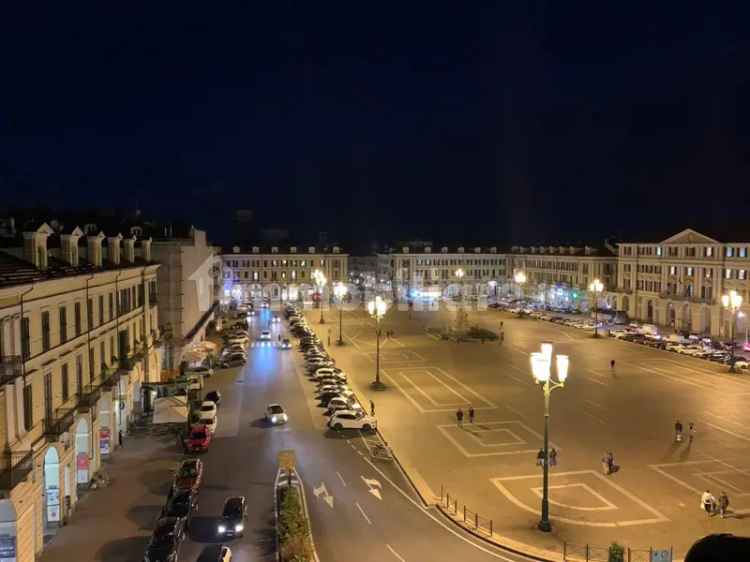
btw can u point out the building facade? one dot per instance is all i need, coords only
(679, 281)
(188, 293)
(78, 337)
(560, 275)
(280, 274)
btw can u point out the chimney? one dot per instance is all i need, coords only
(94, 249)
(146, 249)
(128, 249)
(35, 246)
(69, 246)
(113, 249)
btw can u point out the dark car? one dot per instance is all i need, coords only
(214, 396)
(233, 517)
(234, 360)
(325, 397)
(189, 475)
(165, 542)
(181, 504)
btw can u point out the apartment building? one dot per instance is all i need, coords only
(561, 275)
(679, 281)
(427, 272)
(78, 336)
(280, 274)
(188, 290)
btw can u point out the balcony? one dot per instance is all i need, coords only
(62, 421)
(10, 368)
(111, 377)
(17, 468)
(90, 395)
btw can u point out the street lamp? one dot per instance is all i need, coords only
(460, 276)
(520, 278)
(339, 291)
(320, 281)
(541, 364)
(596, 287)
(377, 309)
(732, 302)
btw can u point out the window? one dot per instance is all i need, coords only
(111, 306)
(64, 377)
(673, 270)
(743, 252)
(25, 339)
(729, 252)
(103, 356)
(727, 273)
(79, 374)
(90, 314)
(77, 318)
(45, 331)
(101, 309)
(658, 250)
(112, 350)
(708, 251)
(28, 408)
(92, 365)
(689, 271)
(741, 274)
(63, 325)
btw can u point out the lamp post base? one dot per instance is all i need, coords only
(339, 342)
(595, 335)
(544, 526)
(377, 385)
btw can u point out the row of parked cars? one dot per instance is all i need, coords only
(691, 345)
(236, 339)
(176, 516)
(331, 389)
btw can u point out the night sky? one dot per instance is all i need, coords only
(514, 122)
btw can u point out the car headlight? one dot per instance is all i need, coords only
(273, 419)
(222, 529)
(238, 528)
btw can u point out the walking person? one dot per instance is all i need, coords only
(605, 464)
(540, 458)
(460, 417)
(372, 408)
(691, 432)
(610, 462)
(553, 457)
(471, 414)
(119, 437)
(612, 366)
(708, 502)
(723, 504)
(678, 431)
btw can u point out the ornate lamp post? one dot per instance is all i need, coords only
(320, 281)
(596, 287)
(377, 309)
(541, 367)
(520, 278)
(459, 273)
(339, 291)
(732, 302)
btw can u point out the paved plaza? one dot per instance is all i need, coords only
(652, 500)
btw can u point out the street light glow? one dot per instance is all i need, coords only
(596, 286)
(540, 367)
(547, 350)
(377, 308)
(519, 277)
(460, 273)
(563, 362)
(340, 290)
(732, 301)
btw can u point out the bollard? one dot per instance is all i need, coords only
(587, 552)
(455, 507)
(565, 551)
(447, 500)
(491, 533)
(476, 520)
(464, 514)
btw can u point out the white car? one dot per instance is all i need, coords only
(275, 414)
(285, 344)
(340, 403)
(618, 333)
(210, 422)
(741, 364)
(240, 340)
(265, 335)
(208, 409)
(275, 319)
(349, 419)
(342, 390)
(328, 372)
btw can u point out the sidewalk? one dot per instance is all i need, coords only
(113, 524)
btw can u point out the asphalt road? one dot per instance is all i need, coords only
(371, 514)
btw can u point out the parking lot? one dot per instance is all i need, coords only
(651, 500)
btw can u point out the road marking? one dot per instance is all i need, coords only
(730, 432)
(362, 511)
(341, 478)
(321, 490)
(373, 486)
(396, 554)
(595, 404)
(601, 421)
(597, 381)
(607, 505)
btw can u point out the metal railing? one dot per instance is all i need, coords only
(18, 467)
(90, 395)
(460, 512)
(60, 423)
(596, 553)
(10, 368)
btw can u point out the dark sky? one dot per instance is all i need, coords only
(517, 121)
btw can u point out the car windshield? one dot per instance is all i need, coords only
(164, 534)
(207, 408)
(199, 435)
(233, 509)
(209, 421)
(188, 471)
(276, 409)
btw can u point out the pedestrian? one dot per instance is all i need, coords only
(279, 337)
(553, 457)
(372, 408)
(540, 458)
(691, 431)
(459, 417)
(723, 503)
(612, 365)
(471, 413)
(610, 462)
(502, 337)
(708, 502)
(678, 431)
(605, 465)
(119, 436)
(501, 326)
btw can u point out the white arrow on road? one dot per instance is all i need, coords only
(323, 491)
(373, 486)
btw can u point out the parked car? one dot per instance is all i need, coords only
(165, 542)
(285, 344)
(350, 419)
(338, 403)
(210, 423)
(214, 396)
(234, 360)
(181, 504)
(207, 409)
(265, 335)
(339, 389)
(275, 414)
(189, 475)
(232, 521)
(203, 370)
(199, 438)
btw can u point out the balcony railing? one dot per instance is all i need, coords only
(62, 421)
(10, 368)
(89, 397)
(112, 378)
(17, 468)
